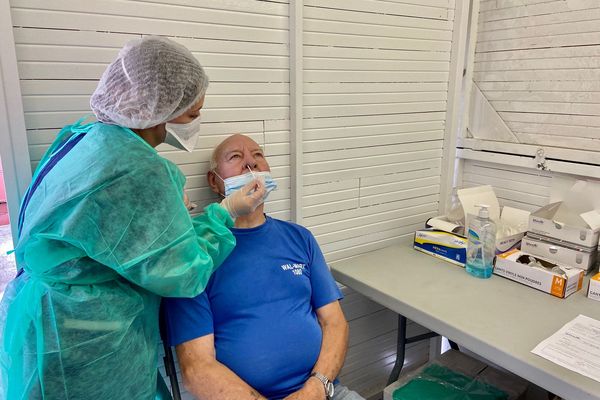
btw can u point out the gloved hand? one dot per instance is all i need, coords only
(244, 201)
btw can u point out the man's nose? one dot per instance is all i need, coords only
(250, 162)
(251, 165)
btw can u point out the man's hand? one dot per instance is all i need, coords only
(208, 379)
(313, 389)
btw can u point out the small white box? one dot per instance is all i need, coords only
(585, 233)
(594, 287)
(513, 265)
(562, 252)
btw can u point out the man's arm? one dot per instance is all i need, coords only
(208, 379)
(333, 351)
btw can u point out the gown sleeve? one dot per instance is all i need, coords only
(137, 224)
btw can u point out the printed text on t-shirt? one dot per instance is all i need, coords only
(295, 268)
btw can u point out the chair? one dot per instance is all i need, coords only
(168, 359)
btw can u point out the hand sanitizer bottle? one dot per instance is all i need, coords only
(481, 245)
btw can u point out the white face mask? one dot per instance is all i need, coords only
(237, 182)
(183, 136)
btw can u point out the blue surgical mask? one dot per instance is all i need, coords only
(237, 182)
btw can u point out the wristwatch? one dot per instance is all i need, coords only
(329, 389)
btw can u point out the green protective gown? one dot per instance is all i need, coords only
(104, 236)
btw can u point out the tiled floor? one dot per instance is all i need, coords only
(8, 268)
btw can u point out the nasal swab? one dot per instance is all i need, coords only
(249, 169)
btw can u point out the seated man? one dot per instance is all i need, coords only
(269, 324)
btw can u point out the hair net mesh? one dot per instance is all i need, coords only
(152, 81)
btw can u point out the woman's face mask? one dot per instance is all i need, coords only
(183, 136)
(237, 182)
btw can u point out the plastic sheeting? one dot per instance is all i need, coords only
(440, 383)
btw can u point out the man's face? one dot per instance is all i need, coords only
(237, 155)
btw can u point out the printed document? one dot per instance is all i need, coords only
(575, 346)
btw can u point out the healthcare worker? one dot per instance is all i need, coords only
(104, 232)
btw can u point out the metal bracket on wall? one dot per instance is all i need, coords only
(540, 158)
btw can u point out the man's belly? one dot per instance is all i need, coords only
(276, 356)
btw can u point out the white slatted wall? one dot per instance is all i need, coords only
(375, 92)
(64, 46)
(537, 63)
(518, 187)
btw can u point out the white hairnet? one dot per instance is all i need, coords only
(152, 81)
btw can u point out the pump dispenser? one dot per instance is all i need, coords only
(481, 245)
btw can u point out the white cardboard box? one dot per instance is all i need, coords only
(573, 214)
(586, 233)
(594, 287)
(574, 256)
(508, 266)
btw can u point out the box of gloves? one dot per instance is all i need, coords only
(567, 230)
(444, 236)
(594, 287)
(554, 278)
(562, 252)
(573, 215)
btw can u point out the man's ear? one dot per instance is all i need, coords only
(211, 178)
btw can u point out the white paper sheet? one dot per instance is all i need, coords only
(576, 346)
(443, 225)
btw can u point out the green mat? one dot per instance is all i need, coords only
(441, 383)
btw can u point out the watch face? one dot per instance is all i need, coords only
(330, 389)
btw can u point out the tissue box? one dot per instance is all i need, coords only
(586, 233)
(510, 265)
(444, 245)
(594, 287)
(562, 252)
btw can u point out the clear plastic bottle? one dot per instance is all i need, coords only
(481, 245)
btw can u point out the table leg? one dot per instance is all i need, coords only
(400, 350)
(401, 347)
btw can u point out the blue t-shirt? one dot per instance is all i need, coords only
(260, 305)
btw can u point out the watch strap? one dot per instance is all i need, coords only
(327, 385)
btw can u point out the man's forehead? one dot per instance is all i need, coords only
(238, 143)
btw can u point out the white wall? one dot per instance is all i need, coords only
(536, 61)
(518, 187)
(375, 95)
